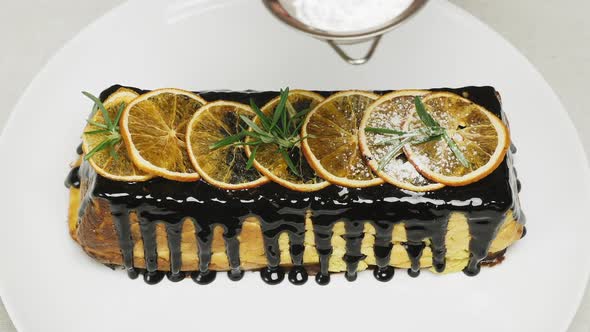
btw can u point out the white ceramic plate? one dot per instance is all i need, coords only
(49, 284)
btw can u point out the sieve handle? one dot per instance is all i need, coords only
(355, 61)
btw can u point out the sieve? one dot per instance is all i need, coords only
(279, 8)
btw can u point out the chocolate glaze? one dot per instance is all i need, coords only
(79, 149)
(354, 236)
(204, 240)
(73, 178)
(173, 233)
(280, 210)
(120, 216)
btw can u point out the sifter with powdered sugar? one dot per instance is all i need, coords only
(341, 22)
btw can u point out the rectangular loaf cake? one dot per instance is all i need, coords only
(163, 227)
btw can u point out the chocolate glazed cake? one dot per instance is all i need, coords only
(178, 229)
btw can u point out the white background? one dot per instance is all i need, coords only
(554, 35)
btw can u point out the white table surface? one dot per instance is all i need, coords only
(554, 35)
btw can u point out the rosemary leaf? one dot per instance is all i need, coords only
(297, 119)
(253, 126)
(105, 114)
(280, 108)
(251, 159)
(253, 143)
(302, 138)
(385, 131)
(227, 141)
(423, 113)
(94, 110)
(426, 139)
(415, 133)
(119, 113)
(112, 151)
(287, 144)
(267, 140)
(252, 134)
(100, 125)
(302, 113)
(102, 145)
(393, 153)
(276, 116)
(263, 118)
(389, 141)
(94, 132)
(292, 117)
(290, 109)
(453, 146)
(289, 162)
(298, 126)
(284, 117)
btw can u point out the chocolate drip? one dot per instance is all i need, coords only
(414, 250)
(232, 249)
(79, 149)
(73, 178)
(323, 244)
(354, 236)
(298, 274)
(203, 278)
(431, 226)
(271, 249)
(382, 249)
(279, 216)
(483, 229)
(180, 276)
(272, 274)
(280, 210)
(174, 235)
(438, 247)
(152, 278)
(513, 148)
(120, 216)
(204, 236)
(148, 236)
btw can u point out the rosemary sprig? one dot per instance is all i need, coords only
(431, 123)
(385, 131)
(423, 113)
(282, 129)
(431, 131)
(110, 127)
(393, 152)
(418, 134)
(453, 146)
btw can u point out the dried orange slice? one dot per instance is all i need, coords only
(267, 157)
(480, 137)
(153, 127)
(383, 151)
(111, 162)
(224, 167)
(331, 146)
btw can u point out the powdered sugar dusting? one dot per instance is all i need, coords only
(392, 115)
